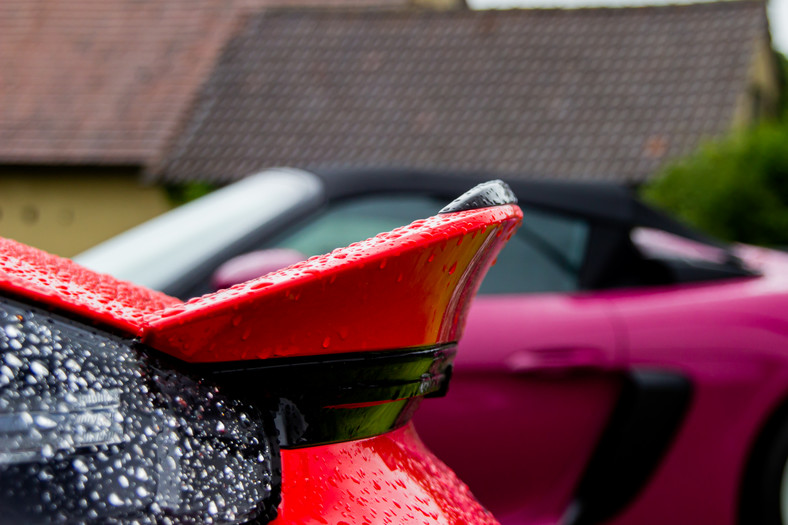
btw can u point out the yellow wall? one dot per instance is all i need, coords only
(66, 210)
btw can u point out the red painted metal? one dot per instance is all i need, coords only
(405, 288)
(63, 285)
(391, 478)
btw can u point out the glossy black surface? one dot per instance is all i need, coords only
(93, 430)
(490, 193)
(338, 397)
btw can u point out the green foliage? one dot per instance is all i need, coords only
(734, 189)
(186, 192)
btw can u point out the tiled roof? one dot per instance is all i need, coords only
(107, 81)
(587, 93)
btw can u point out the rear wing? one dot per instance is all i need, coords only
(407, 288)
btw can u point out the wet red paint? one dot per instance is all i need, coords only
(387, 479)
(352, 299)
(406, 288)
(64, 285)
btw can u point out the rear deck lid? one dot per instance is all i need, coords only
(407, 288)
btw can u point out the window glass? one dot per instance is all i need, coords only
(658, 244)
(356, 220)
(544, 256)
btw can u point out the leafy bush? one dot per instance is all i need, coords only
(735, 189)
(188, 191)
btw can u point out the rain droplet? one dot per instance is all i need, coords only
(12, 360)
(11, 331)
(72, 365)
(80, 466)
(170, 463)
(44, 422)
(38, 368)
(115, 500)
(172, 311)
(260, 285)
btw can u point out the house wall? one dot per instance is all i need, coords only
(67, 210)
(760, 97)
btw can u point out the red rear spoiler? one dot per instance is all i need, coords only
(407, 288)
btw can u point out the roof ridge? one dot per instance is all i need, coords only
(388, 10)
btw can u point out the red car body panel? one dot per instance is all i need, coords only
(407, 288)
(400, 290)
(373, 295)
(390, 478)
(65, 286)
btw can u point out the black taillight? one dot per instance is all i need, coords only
(92, 429)
(340, 397)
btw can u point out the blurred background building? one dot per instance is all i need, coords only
(91, 94)
(103, 104)
(605, 94)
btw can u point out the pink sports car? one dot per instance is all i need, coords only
(617, 367)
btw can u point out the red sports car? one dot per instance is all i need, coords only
(286, 399)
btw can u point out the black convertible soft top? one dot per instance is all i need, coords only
(603, 202)
(611, 210)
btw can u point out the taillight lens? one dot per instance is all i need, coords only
(93, 430)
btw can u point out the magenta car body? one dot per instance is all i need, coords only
(616, 366)
(541, 377)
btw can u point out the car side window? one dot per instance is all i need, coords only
(544, 256)
(354, 220)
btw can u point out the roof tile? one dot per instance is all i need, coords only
(107, 81)
(602, 93)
